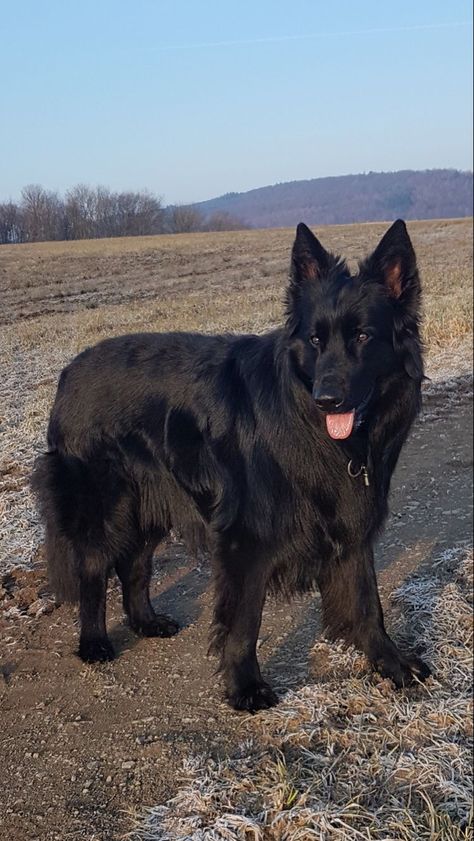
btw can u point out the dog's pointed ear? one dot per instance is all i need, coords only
(309, 260)
(394, 264)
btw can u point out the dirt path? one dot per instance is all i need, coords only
(82, 747)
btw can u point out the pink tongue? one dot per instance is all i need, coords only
(340, 426)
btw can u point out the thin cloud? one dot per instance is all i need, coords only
(275, 39)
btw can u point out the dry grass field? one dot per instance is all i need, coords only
(223, 281)
(87, 748)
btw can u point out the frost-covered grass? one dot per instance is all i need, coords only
(348, 758)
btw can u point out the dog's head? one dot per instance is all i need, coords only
(347, 332)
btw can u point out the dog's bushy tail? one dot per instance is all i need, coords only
(53, 481)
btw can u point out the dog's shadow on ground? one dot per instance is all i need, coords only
(180, 599)
(287, 666)
(290, 665)
(179, 591)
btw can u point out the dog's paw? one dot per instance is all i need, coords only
(402, 669)
(254, 697)
(159, 626)
(96, 650)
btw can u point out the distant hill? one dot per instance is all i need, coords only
(410, 194)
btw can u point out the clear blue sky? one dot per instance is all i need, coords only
(194, 99)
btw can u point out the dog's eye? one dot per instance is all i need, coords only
(363, 338)
(315, 341)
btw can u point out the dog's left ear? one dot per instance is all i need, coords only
(394, 264)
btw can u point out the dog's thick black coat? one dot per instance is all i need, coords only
(225, 439)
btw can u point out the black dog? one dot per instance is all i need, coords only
(275, 451)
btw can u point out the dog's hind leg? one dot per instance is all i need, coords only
(240, 587)
(134, 571)
(94, 644)
(352, 611)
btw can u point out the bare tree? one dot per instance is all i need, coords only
(184, 219)
(223, 221)
(12, 227)
(107, 223)
(80, 212)
(32, 205)
(42, 212)
(142, 213)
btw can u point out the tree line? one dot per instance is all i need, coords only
(92, 212)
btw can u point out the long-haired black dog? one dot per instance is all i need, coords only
(276, 451)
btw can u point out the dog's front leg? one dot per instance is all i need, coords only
(240, 587)
(352, 611)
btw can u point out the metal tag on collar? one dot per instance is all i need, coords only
(362, 471)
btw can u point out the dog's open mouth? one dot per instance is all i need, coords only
(340, 426)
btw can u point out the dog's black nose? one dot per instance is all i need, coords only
(328, 399)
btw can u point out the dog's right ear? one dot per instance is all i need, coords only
(309, 260)
(309, 263)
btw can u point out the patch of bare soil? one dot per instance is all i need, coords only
(83, 748)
